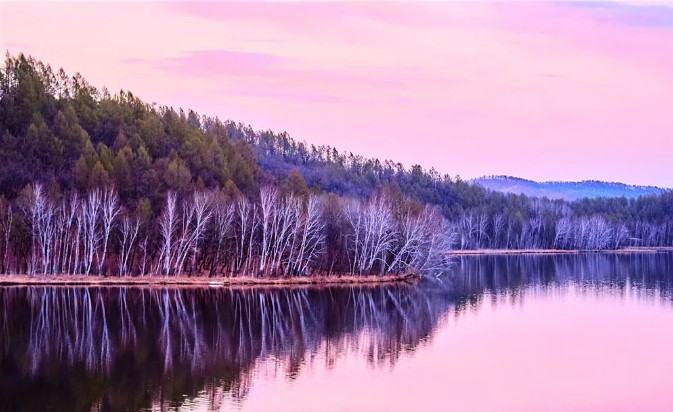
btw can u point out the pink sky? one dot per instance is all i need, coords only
(547, 91)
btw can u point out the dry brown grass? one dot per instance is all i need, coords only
(199, 281)
(625, 250)
(642, 249)
(512, 252)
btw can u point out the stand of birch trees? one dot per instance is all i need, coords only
(552, 225)
(207, 233)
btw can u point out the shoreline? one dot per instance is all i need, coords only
(504, 252)
(281, 282)
(199, 281)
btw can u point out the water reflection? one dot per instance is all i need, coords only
(128, 348)
(133, 349)
(639, 275)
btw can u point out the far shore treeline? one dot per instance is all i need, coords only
(100, 183)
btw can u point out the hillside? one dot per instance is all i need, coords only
(94, 183)
(565, 190)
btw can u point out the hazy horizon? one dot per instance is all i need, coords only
(559, 181)
(544, 91)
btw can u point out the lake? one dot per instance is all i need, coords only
(588, 332)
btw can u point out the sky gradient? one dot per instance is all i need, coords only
(540, 90)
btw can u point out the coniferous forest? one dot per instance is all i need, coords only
(93, 182)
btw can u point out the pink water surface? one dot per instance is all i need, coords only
(564, 349)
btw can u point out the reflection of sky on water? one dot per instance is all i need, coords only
(510, 333)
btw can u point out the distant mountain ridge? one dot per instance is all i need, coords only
(565, 190)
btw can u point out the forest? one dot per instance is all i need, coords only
(98, 183)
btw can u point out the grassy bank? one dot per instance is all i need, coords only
(198, 281)
(478, 252)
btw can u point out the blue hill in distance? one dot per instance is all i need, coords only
(565, 190)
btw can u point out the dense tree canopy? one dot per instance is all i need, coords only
(62, 132)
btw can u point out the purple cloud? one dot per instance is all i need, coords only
(634, 15)
(215, 63)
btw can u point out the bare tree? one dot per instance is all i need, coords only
(432, 257)
(411, 229)
(534, 232)
(129, 233)
(621, 233)
(79, 230)
(267, 210)
(482, 229)
(144, 246)
(110, 211)
(498, 225)
(223, 218)
(90, 212)
(167, 225)
(469, 230)
(285, 219)
(42, 224)
(247, 224)
(70, 239)
(563, 235)
(195, 217)
(6, 235)
(310, 236)
(373, 234)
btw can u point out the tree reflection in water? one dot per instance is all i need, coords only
(127, 348)
(131, 349)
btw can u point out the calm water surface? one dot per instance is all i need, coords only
(517, 333)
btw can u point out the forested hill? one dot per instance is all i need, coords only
(72, 138)
(63, 132)
(565, 190)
